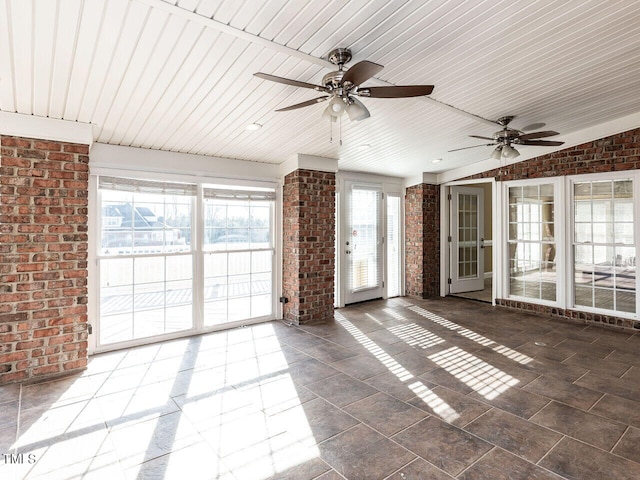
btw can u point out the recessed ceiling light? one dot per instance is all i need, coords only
(364, 146)
(254, 126)
(436, 160)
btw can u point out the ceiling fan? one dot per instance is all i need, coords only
(505, 138)
(343, 86)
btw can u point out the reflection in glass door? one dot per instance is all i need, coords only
(363, 244)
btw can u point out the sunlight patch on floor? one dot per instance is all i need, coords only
(513, 355)
(482, 377)
(476, 337)
(437, 405)
(416, 336)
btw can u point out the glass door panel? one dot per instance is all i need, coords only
(363, 245)
(467, 258)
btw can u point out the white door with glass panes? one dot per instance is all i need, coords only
(362, 242)
(467, 225)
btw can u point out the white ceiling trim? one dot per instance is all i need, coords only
(308, 162)
(428, 178)
(117, 158)
(30, 126)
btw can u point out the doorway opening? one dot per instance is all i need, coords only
(470, 241)
(369, 248)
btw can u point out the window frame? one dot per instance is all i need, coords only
(564, 235)
(197, 226)
(559, 237)
(632, 175)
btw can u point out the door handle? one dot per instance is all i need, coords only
(348, 252)
(482, 243)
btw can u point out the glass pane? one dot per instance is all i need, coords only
(261, 262)
(393, 246)
(364, 239)
(602, 189)
(532, 257)
(605, 275)
(603, 298)
(239, 263)
(179, 267)
(582, 191)
(623, 189)
(238, 215)
(583, 296)
(148, 269)
(623, 211)
(626, 301)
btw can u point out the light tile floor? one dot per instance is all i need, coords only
(399, 389)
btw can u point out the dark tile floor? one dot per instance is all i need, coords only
(399, 389)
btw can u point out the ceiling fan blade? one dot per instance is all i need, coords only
(482, 138)
(474, 146)
(533, 135)
(303, 104)
(398, 91)
(361, 72)
(541, 143)
(288, 81)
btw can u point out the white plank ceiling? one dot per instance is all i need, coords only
(178, 75)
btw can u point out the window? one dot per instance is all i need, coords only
(163, 273)
(145, 259)
(604, 250)
(394, 267)
(531, 242)
(238, 254)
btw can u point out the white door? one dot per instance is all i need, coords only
(467, 227)
(362, 242)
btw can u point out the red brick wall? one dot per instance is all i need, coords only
(43, 258)
(309, 246)
(615, 153)
(422, 240)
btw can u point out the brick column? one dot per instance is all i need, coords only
(309, 226)
(43, 258)
(422, 240)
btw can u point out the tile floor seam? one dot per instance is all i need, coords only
(417, 459)
(562, 437)
(480, 416)
(540, 409)
(494, 447)
(620, 439)
(626, 371)
(596, 403)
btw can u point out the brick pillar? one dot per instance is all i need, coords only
(43, 258)
(309, 225)
(422, 240)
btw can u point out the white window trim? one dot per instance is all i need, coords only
(634, 175)
(560, 236)
(564, 232)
